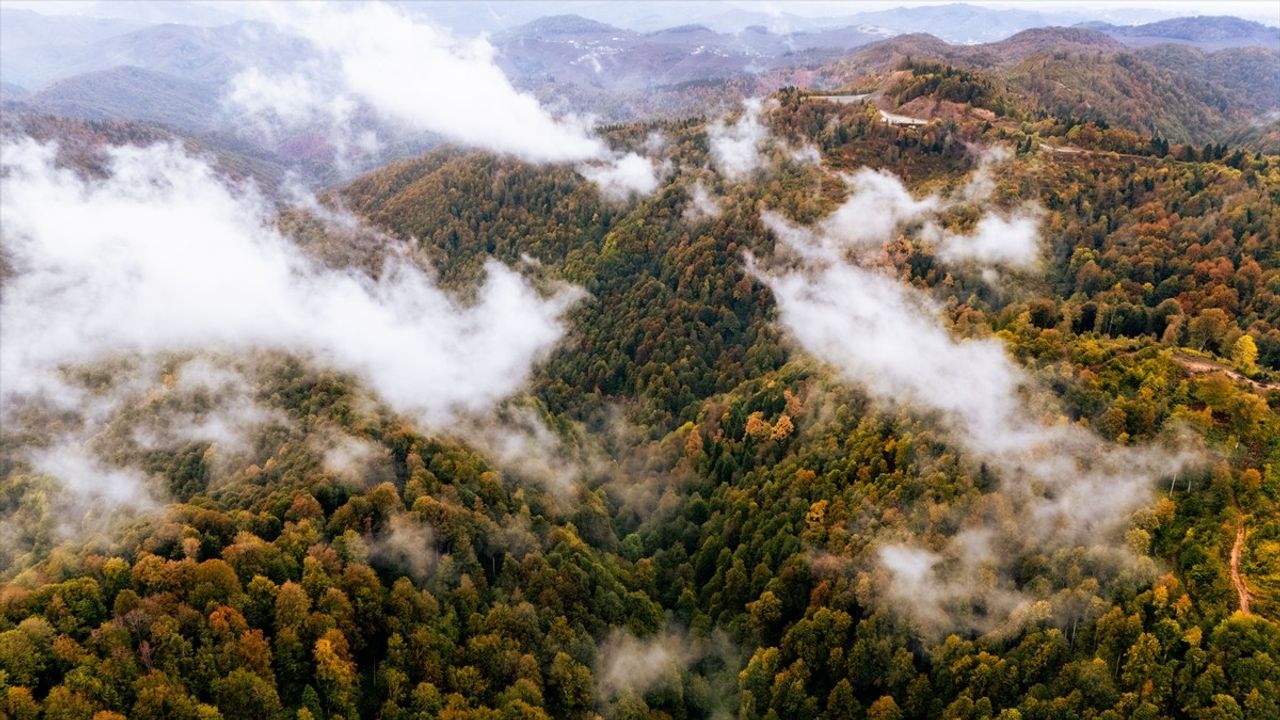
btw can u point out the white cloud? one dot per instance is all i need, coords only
(96, 483)
(627, 665)
(890, 339)
(408, 545)
(379, 71)
(879, 206)
(633, 664)
(1006, 241)
(163, 256)
(702, 204)
(982, 184)
(736, 148)
(425, 78)
(623, 177)
(293, 99)
(1069, 485)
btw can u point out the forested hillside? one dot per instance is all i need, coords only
(1180, 93)
(696, 533)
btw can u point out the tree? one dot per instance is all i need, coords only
(1244, 354)
(242, 694)
(886, 708)
(1209, 328)
(570, 682)
(336, 672)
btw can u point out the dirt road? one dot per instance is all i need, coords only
(1198, 366)
(1241, 589)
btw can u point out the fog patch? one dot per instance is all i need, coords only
(111, 279)
(623, 177)
(408, 545)
(981, 185)
(997, 240)
(354, 461)
(1067, 486)
(520, 440)
(736, 148)
(702, 204)
(162, 256)
(378, 71)
(628, 667)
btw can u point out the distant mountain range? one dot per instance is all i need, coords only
(1177, 91)
(954, 22)
(1187, 79)
(573, 49)
(37, 50)
(1209, 33)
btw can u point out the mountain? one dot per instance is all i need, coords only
(10, 91)
(1181, 93)
(132, 93)
(81, 142)
(959, 23)
(582, 65)
(193, 53)
(566, 25)
(32, 45)
(581, 51)
(943, 381)
(735, 518)
(1205, 32)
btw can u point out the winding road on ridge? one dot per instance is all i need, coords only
(1241, 589)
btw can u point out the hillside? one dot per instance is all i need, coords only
(754, 364)
(133, 93)
(1205, 32)
(731, 493)
(1180, 93)
(563, 57)
(82, 144)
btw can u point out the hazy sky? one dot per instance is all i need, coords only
(1181, 7)
(673, 11)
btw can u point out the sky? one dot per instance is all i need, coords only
(661, 12)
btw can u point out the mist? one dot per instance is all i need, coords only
(418, 77)
(736, 147)
(627, 667)
(1065, 485)
(163, 258)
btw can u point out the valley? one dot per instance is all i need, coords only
(896, 364)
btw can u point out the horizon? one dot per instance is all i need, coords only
(504, 14)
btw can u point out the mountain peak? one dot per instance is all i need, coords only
(566, 25)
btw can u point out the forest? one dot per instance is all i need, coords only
(698, 536)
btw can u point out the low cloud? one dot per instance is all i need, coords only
(628, 663)
(377, 70)
(702, 204)
(996, 241)
(630, 666)
(414, 74)
(623, 177)
(736, 148)
(1068, 486)
(982, 183)
(354, 460)
(98, 448)
(162, 258)
(744, 147)
(408, 545)
(879, 207)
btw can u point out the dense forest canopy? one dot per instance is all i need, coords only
(812, 414)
